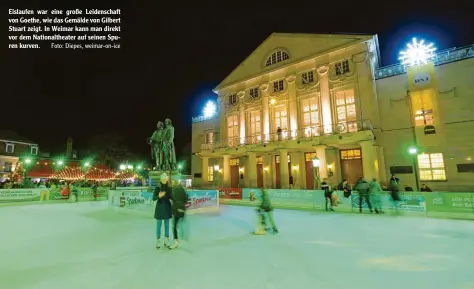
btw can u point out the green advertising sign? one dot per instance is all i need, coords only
(445, 202)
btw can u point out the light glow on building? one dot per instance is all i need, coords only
(209, 109)
(417, 53)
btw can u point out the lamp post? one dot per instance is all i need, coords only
(413, 151)
(216, 175)
(316, 172)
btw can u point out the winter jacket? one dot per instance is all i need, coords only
(362, 187)
(374, 188)
(327, 189)
(394, 184)
(163, 205)
(180, 198)
(266, 204)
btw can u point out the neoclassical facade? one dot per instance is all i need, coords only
(301, 96)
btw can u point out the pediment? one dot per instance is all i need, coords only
(298, 46)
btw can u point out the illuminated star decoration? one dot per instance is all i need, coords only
(417, 53)
(209, 109)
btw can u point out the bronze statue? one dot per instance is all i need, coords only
(156, 142)
(169, 154)
(162, 145)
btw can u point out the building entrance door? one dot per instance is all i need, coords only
(259, 172)
(308, 160)
(351, 165)
(234, 173)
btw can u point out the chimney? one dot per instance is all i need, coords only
(69, 148)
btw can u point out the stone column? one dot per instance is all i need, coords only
(252, 169)
(325, 98)
(266, 112)
(323, 164)
(292, 106)
(381, 167)
(222, 121)
(242, 135)
(368, 159)
(267, 172)
(205, 172)
(226, 171)
(284, 175)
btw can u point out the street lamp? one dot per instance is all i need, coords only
(122, 167)
(413, 151)
(316, 163)
(216, 175)
(180, 166)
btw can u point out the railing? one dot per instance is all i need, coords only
(306, 133)
(443, 57)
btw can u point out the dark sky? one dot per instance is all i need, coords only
(174, 54)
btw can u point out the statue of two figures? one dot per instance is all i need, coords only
(162, 146)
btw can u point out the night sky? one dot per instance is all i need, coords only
(174, 54)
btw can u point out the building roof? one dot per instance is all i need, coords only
(300, 47)
(13, 136)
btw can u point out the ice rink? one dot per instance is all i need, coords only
(86, 245)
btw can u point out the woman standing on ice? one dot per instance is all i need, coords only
(162, 196)
(180, 198)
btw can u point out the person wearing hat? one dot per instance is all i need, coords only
(162, 195)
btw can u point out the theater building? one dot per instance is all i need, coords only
(300, 97)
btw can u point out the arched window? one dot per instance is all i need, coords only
(276, 57)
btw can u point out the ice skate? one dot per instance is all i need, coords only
(275, 231)
(158, 243)
(260, 232)
(175, 245)
(167, 242)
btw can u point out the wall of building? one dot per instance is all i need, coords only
(456, 109)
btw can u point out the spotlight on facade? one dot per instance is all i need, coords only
(209, 109)
(316, 163)
(417, 53)
(412, 150)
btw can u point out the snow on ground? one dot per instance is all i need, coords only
(87, 245)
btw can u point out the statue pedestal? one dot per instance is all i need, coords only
(155, 176)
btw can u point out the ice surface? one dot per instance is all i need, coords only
(87, 245)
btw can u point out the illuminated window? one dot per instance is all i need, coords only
(278, 85)
(350, 154)
(253, 92)
(342, 67)
(307, 77)
(233, 130)
(308, 157)
(255, 127)
(234, 162)
(422, 107)
(232, 98)
(277, 159)
(259, 160)
(346, 111)
(310, 115)
(281, 121)
(8, 167)
(34, 151)
(210, 173)
(431, 167)
(276, 57)
(209, 137)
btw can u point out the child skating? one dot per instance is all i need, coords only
(264, 212)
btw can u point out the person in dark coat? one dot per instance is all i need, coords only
(162, 195)
(394, 187)
(327, 194)
(362, 186)
(180, 198)
(425, 188)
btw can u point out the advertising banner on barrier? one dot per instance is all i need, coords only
(19, 195)
(249, 194)
(287, 198)
(202, 199)
(409, 201)
(445, 202)
(230, 193)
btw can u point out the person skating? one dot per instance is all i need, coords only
(394, 190)
(327, 194)
(162, 196)
(362, 186)
(375, 192)
(180, 198)
(265, 211)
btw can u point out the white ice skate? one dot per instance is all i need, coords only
(175, 244)
(167, 242)
(158, 243)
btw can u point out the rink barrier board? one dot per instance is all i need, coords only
(47, 195)
(459, 205)
(139, 201)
